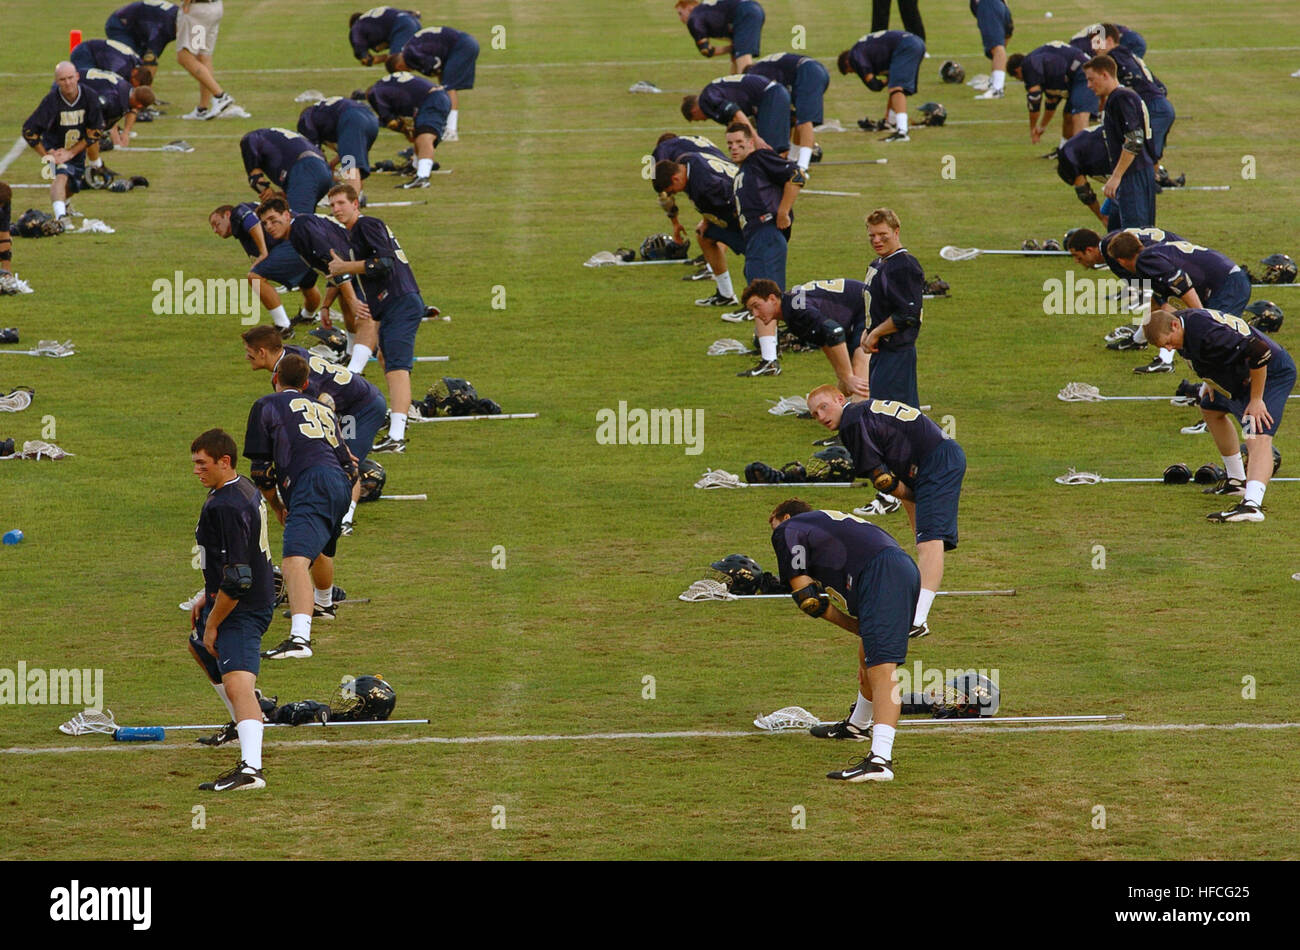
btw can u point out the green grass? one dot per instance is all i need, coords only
(600, 539)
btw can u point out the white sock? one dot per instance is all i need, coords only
(352, 510)
(767, 347)
(279, 317)
(923, 604)
(452, 118)
(250, 742)
(304, 313)
(999, 78)
(804, 157)
(423, 167)
(60, 208)
(861, 716)
(891, 116)
(324, 598)
(1234, 466)
(1061, 144)
(724, 284)
(901, 121)
(1255, 492)
(397, 425)
(1166, 355)
(221, 691)
(882, 740)
(300, 627)
(97, 163)
(360, 357)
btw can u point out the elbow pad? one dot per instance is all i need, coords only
(1135, 141)
(1257, 353)
(32, 137)
(832, 334)
(259, 182)
(812, 600)
(800, 177)
(236, 580)
(884, 480)
(1086, 194)
(263, 474)
(378, 265)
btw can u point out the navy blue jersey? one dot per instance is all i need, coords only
(319, 124)
(242, 221)
(1149, 237)
(313, 236)
(830, 547)
(113, 93)
(372, 29)
(1175, 267)
(1132, 72)
(888, 435)
(1082, 40)
(779, 66)
(427, 50)
(895, 286)
(350, 391)
(711, 20)
(275, 151)
(1051, 69)
(1223, 349)
(871, 54)
(1083, 154)
(721, 99)
(107, 54)
(57, 123)
(399, 96)
(232, 530)
(151, 23)
(710, 184)
(371, 239)
(296, 433)
(1126, 113)
(813, 311)
(672, 149)
(758, 187)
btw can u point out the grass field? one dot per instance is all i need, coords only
(599, 539)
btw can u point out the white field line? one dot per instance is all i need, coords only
(19, 147)
(110, 746)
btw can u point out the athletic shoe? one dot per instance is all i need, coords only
(1242, 511)
(1122, 332)
(1125, 343)
(345, 529)
(844, 729)
(764, 368)
(918, 631)
(829, 440)
(704, 273)
(416, 182)
(451, 135)
(1053, 154)
(286, 333)
(241, 778)
(299, 318)
(880, 505)
(197, 113)
(227, 733)
(816, 155)
(291, 648)
(220, 105)
(1195, 429)
(1157, 365)
(897, 137)
(318, 613)
(717, 300)
(65, 222)
(871, 769)
(1227, 486)
(992, 93)
(737, 316)
(870, 125)
(389, 444)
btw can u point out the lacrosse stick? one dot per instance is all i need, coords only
(309, 95)
(858, 161)
(705, 590)
(832, 194)
(404, 497)
(92, 720)
(724, 346)
(180, 145)
(1169, 191)
(420, 359)
(597, 260)
(38, 450)
(796, 717)
(1275, 285)
(16, 401)
(718, 478)
(504, 415)
(787, 718)
(951, 253)
(1083, 392)
(46, 348)
(1072, 477)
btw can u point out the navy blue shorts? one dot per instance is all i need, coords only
(239, 640)
(891, 374)
(937, 489)
(76, 172)
(1232, 297)
(810, 83)
(309, 180)
(1134, 43)
(1161, 113)
(1081, 98)
(114, 30)
(728, 236)
(765, 250)
(747, 29)
(317, 503)
(1277, 387)
(283, 264)
(404, 27)
(773, 120)
(905, 64)
(888, 588)
(1136, 198)
(994, 19)
(397, 329)
(363, 424)
(458, 70)
(432, 116)
(853, 337)
(357, 131)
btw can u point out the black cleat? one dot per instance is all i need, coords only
(871, 769)
(241, 778)
(1242, 511)
(1226, 486)
(717, 300)
(1157, 365)
(844, 729)
(227, 733)
(291, 648)
(764, 368)
(918, 631)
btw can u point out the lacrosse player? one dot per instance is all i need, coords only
(892, 60)
(1051, 73)
(672, 147)
(996, 27)
(1084, 154)
(894, 288)
(346, 126)
(760, 103)
(295, 445)
(909, 10)
(234, 610)
(381, 28)
(272, 262)
(907, 456)
(359, 405)
(447, 55)
(710, 184)
(64, 126)
(1246, 374)
(742, 20)
(379, 263)
(278, 158)
(806, 80)
(146, 26)
(1088, 39)
(118, 100)
(418, 110)
(1133, 74)
(829, 314)
(1127, 131)
(8, 279)
(821, 551)
(112, 57)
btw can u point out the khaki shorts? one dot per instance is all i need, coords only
(197, 30)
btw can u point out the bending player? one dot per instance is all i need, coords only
(709, 181)
(418, 110)
(447, 55)
(741, 20)
(272, 262)
(280, 158)
(829, 314)
(346, 126)
(889, 60)
(379, 29)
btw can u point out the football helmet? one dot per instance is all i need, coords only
(968, 696)
(741, 574)
(951, 71)
(1267, 316)
(450, 396)
(372, 480)
(1279, 269)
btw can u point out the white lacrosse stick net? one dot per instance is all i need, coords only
(727, 345)
(1079, 392)
(1071, 477)
(717, 478)
(309, 95)
(789, 717)
(830, 125)
(600, 259)
(951, 253)
(16, 401)
(37, 449)
(706, 590)
(91, 720)
(643, 86)
(789, 406)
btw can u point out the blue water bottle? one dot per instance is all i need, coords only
(13, 537)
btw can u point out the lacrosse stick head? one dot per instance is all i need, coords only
(16, 401)
(727, 345)
(36, 449)
(1079, 392)
(718, 478)
(791, 406)
(54, 348)
(1071, 477)
(787, 718)
(90, 720)
(706, 589)
(951, 253)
